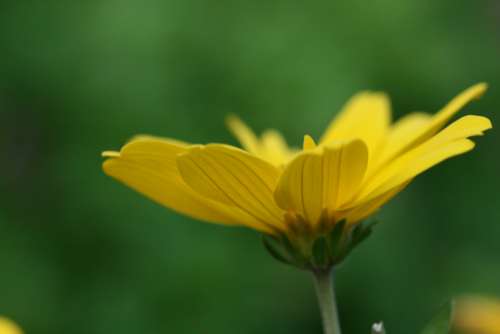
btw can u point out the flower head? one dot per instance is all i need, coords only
(361, 161)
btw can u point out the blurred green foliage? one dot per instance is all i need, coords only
(80, 253)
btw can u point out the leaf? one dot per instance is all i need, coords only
(441, 323)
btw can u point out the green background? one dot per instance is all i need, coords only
(80, 253)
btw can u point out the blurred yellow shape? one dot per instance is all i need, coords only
(477, 315)
(270, 146)
(9, 327)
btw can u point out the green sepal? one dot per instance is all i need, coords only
(441, 323)
(290, 249)
(320, 251)
(360, 233)
(274, 248)
(282, 249)
(349, 239)
(336, 237)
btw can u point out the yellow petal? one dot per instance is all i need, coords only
(365, 210)
(271, 146)
(244, 134)
(460, 101)
(110, 154)
(448, 143)
(233, 177)
(366, 116)
(274, 148)
(148, 165)
(9, 327)
(323, 178)
(309, 143)
(402, 134)
(421, 133)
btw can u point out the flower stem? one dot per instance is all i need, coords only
(326, 298)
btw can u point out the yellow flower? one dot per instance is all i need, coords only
(477, 315)
(360, 162)
(8, 327)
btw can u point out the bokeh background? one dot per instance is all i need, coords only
(80, 253)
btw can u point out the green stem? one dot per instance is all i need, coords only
(326, 298)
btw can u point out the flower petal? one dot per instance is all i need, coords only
(148, 165)
(448, 143)
(366, 116)
(365, 210)
(325, 177)
(244, 134)
(233, 177)
(421, 133)
(445, 114)
(402, 134)
(274, 148)
(308, 143)
(271, 146)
